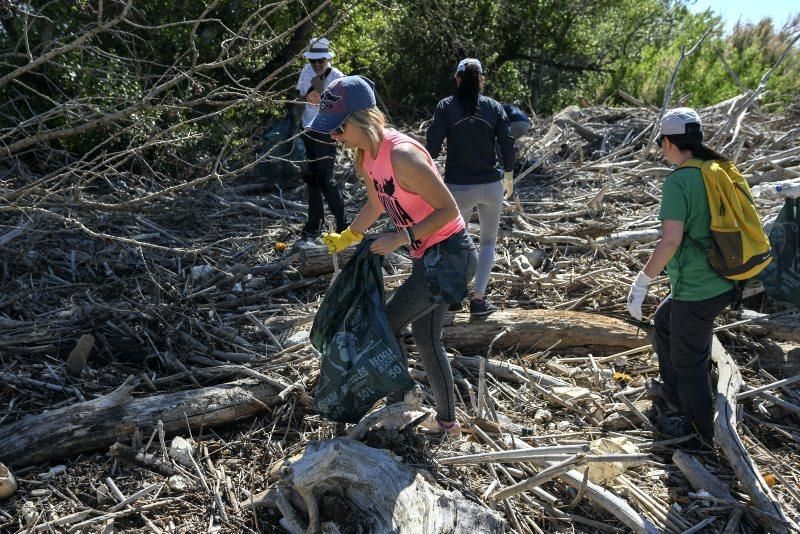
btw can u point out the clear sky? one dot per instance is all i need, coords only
(748, 10)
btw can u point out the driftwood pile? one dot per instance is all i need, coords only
(155, 372)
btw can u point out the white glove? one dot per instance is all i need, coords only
(508, 184)
(637, 294)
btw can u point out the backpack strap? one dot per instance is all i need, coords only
(692, 162)
(697, 164)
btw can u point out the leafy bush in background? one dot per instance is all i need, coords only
(547, 54)
(180, 89)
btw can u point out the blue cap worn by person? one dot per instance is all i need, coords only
(342, 97)
(675, 120)
(466, 61)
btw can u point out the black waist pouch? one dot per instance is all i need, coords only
(449, 268)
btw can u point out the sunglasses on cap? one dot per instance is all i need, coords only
(320, 60)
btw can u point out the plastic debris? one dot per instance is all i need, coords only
(201, 271)
(181, 451)
(180, 483)
(53, 472)
(605, 472)
(542, 416)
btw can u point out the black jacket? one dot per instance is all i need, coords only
(471, 156)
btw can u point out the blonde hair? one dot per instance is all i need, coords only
(371, 121)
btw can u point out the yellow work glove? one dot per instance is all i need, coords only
(338, 242)
(508, 184)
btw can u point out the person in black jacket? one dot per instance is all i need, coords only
(472, 123)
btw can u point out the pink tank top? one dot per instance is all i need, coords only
(404, 207)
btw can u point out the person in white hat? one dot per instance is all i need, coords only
(473, 124)
(315, 76)
(684, 321)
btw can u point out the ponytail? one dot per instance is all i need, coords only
(692, 141)
(470, 88)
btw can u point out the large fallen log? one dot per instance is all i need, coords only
(374, 492)
(725, 422)
(540, 329)
(314, 260)
(97, 424)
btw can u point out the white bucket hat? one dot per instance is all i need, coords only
(319, 48)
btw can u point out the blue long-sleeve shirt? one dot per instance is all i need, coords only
(471, 156)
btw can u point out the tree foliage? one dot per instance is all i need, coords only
(160, 89)
(179, 88)
(723, 67)
(546, 54)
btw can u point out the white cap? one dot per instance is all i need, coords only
(463, 64)
(675, 120)
(319, 48)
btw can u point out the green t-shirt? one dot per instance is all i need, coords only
(685, 200)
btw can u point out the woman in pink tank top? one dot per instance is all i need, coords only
(402, 181)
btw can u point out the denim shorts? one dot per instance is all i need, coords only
(449, 267)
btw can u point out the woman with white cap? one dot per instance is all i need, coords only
(315, 76)
(684, 321)
(473, 124)
(401, 179)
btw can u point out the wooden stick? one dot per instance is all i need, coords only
(136, 496)
(668, 90)
(701, 525)
(540, 478)
(514, 455)
(725, 423)
(634, 409)
(699, 477)
(773, 385)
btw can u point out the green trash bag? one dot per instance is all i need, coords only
(361, 358)
(781, 278)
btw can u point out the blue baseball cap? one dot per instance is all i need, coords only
(342, 97)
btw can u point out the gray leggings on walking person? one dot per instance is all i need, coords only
(488, 198)
(410, 303)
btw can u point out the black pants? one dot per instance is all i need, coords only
(413, 303)
(321, 152)
(683, 342)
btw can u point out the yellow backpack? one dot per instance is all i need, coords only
(739, 249)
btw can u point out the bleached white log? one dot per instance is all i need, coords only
(384, 495)
(725, 422)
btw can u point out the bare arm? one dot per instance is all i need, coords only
(371, 210)
(415, 175)
(671, 237)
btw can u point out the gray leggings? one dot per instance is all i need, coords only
(488, 198)
(410, 304)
